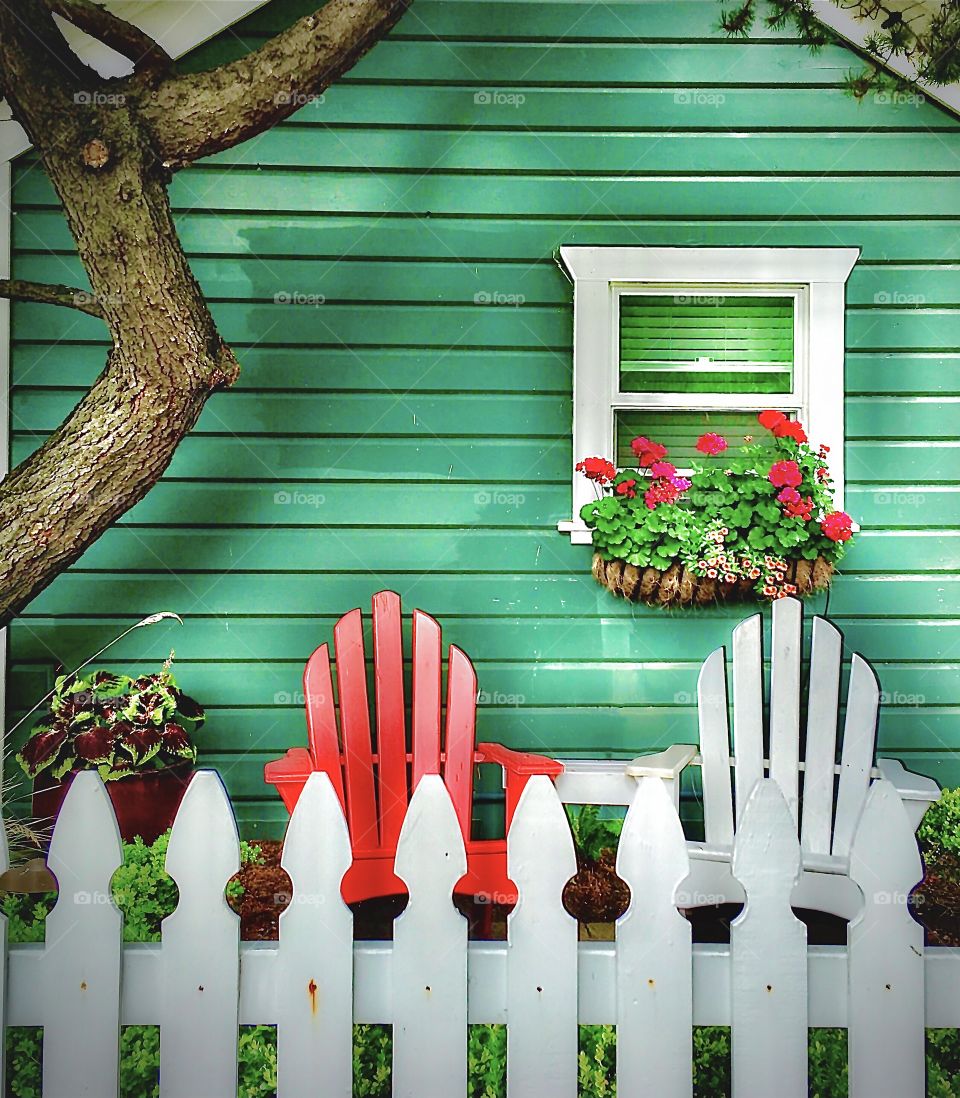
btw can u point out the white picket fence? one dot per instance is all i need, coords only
(201, 982)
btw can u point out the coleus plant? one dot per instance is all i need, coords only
(732, 518)
(113, 723)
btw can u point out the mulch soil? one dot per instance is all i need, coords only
(596, 896)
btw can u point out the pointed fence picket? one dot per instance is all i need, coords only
(200, 982)
(201, 965)
(654, 952)
(314, 969)
(430, 950)
(768, 953)
(886, 954)
(542, 949)
(83, 944)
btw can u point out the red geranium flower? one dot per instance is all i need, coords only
(837, 526)
(770, 419)
(626, 488)
(647, 452)
(661, 491)
(788, 495)
(711, 444)
(790, 428)
(800, 508)
(784, 474)
(598, 469)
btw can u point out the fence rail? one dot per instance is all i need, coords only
(200, 983)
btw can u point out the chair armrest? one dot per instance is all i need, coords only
(910, 786)
(517, 762)
(297, 763)
(664, 764)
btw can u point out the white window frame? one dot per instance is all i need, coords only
(815, 277)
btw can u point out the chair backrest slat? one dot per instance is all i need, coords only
(461, 734)
(322, 718)
(820, 755)
(785, 701)
(831, 807)
(715, 750)
(856, 759)
(426, 697)
(747, 708)
(355, 726)
(390, 715)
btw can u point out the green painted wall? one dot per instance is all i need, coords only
(401, 435)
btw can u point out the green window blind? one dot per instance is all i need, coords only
(678, 343)
(679, 431)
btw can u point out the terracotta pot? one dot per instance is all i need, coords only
(145, 803)
(678, 586)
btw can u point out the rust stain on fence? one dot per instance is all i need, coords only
(312, 991)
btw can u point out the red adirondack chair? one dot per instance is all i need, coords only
(374, 786)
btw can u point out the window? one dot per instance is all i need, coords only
(672, 342)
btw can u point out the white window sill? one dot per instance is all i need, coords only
(579, 534)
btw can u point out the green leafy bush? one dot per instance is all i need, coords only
(141, 888)
(113, 724)
(593, 832)
(940, 828)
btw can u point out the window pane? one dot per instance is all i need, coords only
(679, 431)
(686, 343)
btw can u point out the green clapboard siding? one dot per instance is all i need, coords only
(383, 264)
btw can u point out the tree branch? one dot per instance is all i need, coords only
(198, 114)
(48, 293)
(129, 41)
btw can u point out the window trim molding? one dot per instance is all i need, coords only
(599, 275)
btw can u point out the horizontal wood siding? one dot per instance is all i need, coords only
(384, 265)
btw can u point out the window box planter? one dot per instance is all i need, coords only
(757, 525)
(680, 586)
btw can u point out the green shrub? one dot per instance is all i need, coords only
(372, 1064)
(940, 828)
(24, 1045)
(141, 888)
(597, 1061)
(943, 1063)
(372, 1049)
(486, 1062)
(592, 831)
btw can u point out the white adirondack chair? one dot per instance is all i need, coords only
(824, 796)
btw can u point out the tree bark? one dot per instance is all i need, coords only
(197, 115)
(129, 41)
(107, 156)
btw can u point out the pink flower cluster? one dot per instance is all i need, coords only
(665, 485)
(795, 505)
(768, 570)
(837, 526)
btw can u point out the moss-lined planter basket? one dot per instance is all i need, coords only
(678, 586)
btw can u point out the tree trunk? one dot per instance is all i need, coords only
(108, 149)
(166, 357)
